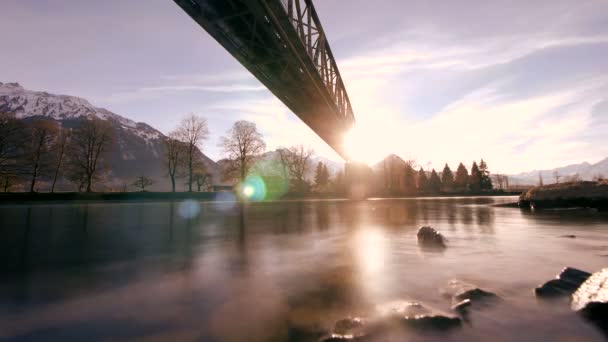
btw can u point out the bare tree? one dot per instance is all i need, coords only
(175, 154)
(42, 134)
(60, 148)
(12, 139)
(142, 182)
(557, 176)
(297, 161)
(8, 181)
(202, 178)
(88, 144)
(242, 145)
(192, 131)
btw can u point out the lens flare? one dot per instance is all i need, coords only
(248, 191)
(189, 209)
(224, 201)
(253, 188)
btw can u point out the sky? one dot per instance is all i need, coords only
(521, 84)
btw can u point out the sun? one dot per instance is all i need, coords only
(365, 144)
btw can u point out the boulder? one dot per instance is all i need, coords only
(429, 237)
(417, 316)
(591, 299)
(391, 319)
(462, 307)
(564, 283)
(461, 291)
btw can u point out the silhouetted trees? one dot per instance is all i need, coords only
(12, 140)
(475, 178)
(434, 183)
(192, 131)
(142, 182)
(175, 155)
(447, 179)
(486, 181)
(409, 181)
(61, 145)
(423, 186)
(38, 150)
(297, 161)
(338, 184)
(461, 181)
(88, 144)
(202, 178)
(321, 177)
(242, 145)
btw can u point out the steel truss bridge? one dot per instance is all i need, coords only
(282, 43)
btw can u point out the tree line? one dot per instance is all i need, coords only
(38, 149)
(462, 181)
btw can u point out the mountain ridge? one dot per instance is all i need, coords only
(138, 150)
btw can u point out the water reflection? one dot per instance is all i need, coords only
(282, 270)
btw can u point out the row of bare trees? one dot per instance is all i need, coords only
(39, 149)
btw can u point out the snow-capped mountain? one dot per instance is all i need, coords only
(585, 170)
(138, 149)
(26, 103)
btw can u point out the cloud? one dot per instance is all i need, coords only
(228, 83)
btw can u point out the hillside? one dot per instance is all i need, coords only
(585, 170)
(138, 149)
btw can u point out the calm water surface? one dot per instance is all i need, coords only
(283, 270)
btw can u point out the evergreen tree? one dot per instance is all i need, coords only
(339, 183)
(410, 180)
(434, 183)
(475, 178)
(423, 186)
(461, 181)
(447, 179)
(486, 181)
(321, 176)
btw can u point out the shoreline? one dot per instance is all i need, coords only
(100, 197)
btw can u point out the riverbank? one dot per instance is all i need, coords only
(26, 197)
(583, 194)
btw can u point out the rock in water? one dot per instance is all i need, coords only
(462, 308)
(461, 291)
(415, 315)
(591, 299)
(429, 237)
(391, 320)
(563, 285)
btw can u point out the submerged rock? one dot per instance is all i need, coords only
(429, 237)
(461, 291)
(591, 299)
(415, 315)
(462, 307)
(563, 285)
(392, 319)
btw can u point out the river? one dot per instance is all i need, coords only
(282, 270)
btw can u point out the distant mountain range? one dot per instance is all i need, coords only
(138, 150)
(585, 171)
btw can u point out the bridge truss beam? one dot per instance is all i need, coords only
(282, 43)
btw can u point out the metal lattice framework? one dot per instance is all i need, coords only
(282, 43)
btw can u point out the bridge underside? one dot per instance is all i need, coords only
(282, 43)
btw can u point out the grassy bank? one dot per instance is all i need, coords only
(567, 195)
